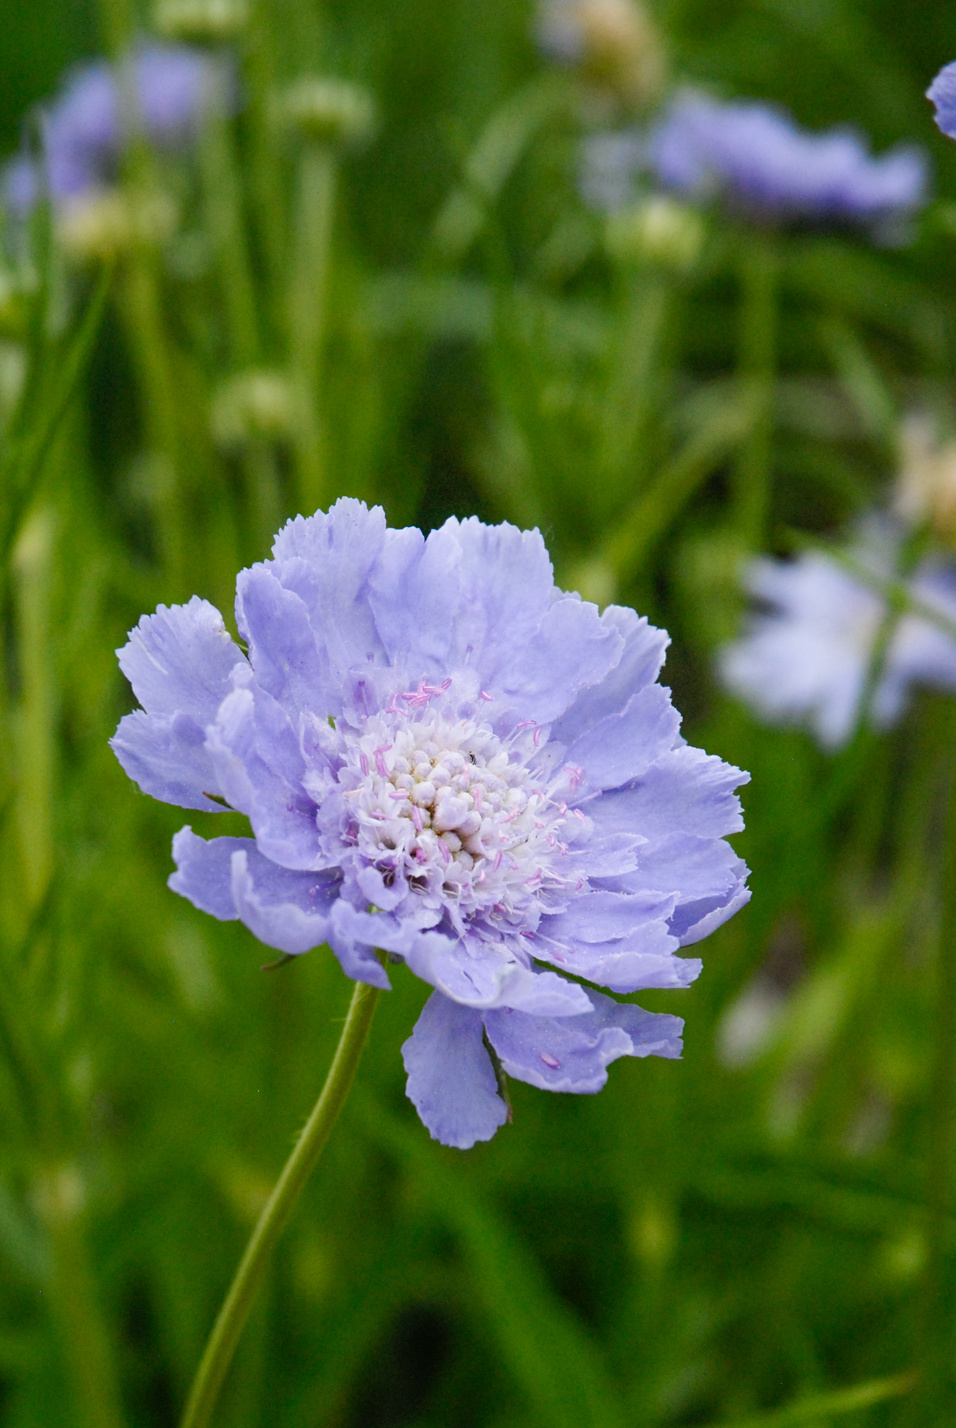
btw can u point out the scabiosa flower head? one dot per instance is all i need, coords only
(760, 162)
(942, 95)
(809, 659)
(444, 756)
(83, 130)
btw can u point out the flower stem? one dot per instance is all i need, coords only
(238, 1302)
(308, 313)
(757, 358)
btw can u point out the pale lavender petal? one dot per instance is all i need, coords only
(623, 746)
(572, 1054)
(204, 871)
(284, 909)
(686, 791)
(451, 1081)
(180, 660)
(640, 663)
(168, 758)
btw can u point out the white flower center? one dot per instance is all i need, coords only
(455, 811)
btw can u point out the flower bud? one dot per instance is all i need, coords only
(258, 405)
(661, 231)
(111, 222)
(925, 493)
(614, 43)
(329, 110)
(201, 22)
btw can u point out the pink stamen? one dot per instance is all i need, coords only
(536, 737)
(497, 863)
(489, 697)
(363, 763)
(581, 817)
(380, 760)
(524, 724)
(575, 774)
(551, 1062)
(417, 818)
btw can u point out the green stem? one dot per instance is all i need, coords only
(85, 1334)
(938, 1389)
(633, 380)
(142, 309)
(224, 213)
(235, 1310)
(308, 303)
(757, 366)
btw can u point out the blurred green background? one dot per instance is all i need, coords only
(744, 1237)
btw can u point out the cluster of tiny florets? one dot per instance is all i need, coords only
(454, 808)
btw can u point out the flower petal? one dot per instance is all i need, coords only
(623, 746)
(451, 1081)
(180, 660)
(573, 1054)
(168, 758)
(686, 791)
(640, 663)
(284, 909)
(204, 871)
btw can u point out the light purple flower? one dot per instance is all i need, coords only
(83, 130)
(444, 756)
(942, 94)
(759, 161)
(807, 661)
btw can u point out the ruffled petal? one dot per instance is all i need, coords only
(640, 663)
(623, 746)
(327, 560)
(282, 815)
(573, 1054)
(686, 791)
(204, 871)
(168, 758)
(180, 661)
(478, 974)
(413, 589)
(506, 586)
(284, 909)
(451, 1081)
(570, 649)
(275, 625)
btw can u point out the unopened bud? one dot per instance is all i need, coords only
(253, 406)
(925, 492)
(614, 43)
(115, 221)
(660, 231)
(329, 110)
(201, 22)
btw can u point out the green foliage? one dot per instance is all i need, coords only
(436, 322)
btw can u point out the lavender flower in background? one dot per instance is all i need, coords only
(83, 131)
(444, 756)
(942, 94)
(809, 659)
(760, 162)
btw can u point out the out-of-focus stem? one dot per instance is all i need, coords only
(85, 1336)
(308, 303)
(139, 291)
(757, 370)
(633, 370)
(224, 214)
(33, 563)
(937, 1391)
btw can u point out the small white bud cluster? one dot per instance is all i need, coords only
(661, 232)
(258, 405)
(613, 43)
(201, 22)
(328, 110)
(449, 807)
(113, 222)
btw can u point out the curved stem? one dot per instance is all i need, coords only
(235, 1310)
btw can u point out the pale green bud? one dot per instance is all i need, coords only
(329, 110)
(258, 405)
(202, 22)
(660, 231)
(114, 222)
